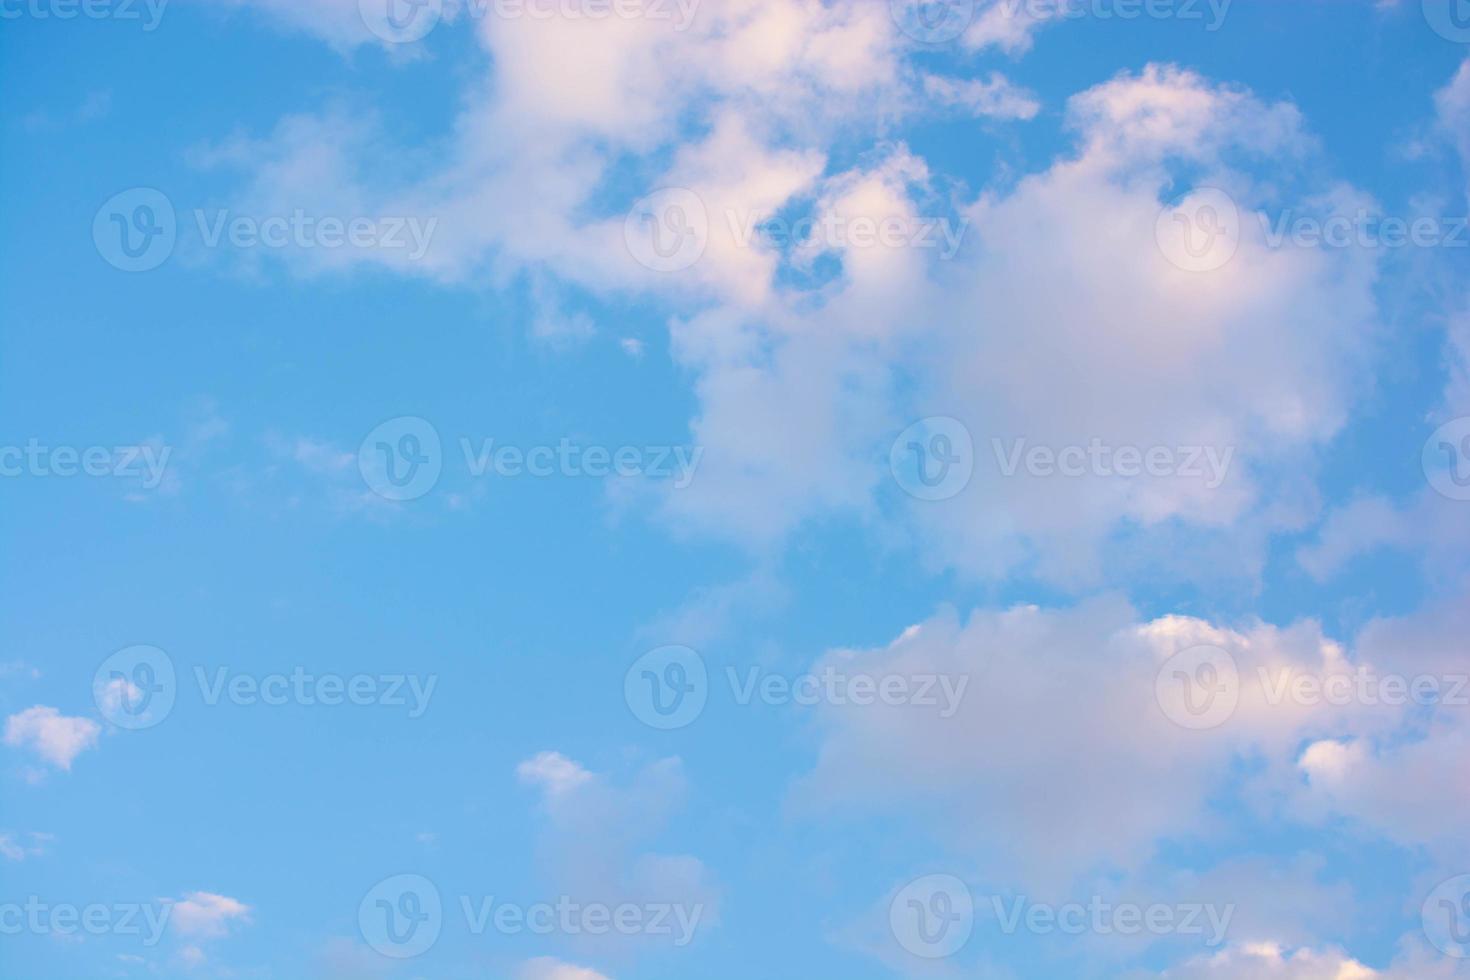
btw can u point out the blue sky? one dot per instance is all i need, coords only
(676, 465)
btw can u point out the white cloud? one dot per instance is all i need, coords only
(545, 968)
(53, 736)
(554, 772)
(19, 847)
(1268, 961)
(595, 842)
(1075, 694)
(205, 915)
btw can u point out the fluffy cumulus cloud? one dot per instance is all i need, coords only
(1298, 729)
(795, 367)
(549, 969)
(597, 843)
(203, 915)
(1272, 961)
(1064, 312)
(54, 737)
(1045, 690)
